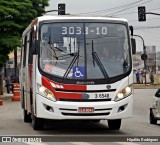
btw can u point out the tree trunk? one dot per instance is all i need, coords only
(1, 80)
(15, 63)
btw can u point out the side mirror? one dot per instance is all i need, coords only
(133, 42)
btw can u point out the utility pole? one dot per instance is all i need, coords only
(141, 18)
(144, 56)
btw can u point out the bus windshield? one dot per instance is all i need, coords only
(84, 50)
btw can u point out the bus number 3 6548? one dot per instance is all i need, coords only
(102, 96)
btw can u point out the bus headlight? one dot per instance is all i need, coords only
(124, 93)
(45, 92)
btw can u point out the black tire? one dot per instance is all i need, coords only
(152, 118)
(26, 116)
(37, 123)
(22, 99)
(114, 124)
(92, 121)
(95, 121)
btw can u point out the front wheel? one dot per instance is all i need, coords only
(114, 124)
(95, 121)
(152, 118)
(26, 116)
(37, 123)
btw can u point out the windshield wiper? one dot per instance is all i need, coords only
(70, 66)
(76, 57)
(58, 49)
(71, 54)
(99, 63)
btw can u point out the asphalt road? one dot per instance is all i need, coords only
(77, 133)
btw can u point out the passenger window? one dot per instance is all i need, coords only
(24, 52)
(158, 93)
(21, 53)
(30, 58)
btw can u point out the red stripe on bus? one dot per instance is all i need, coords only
(65, 95)
(65, 86)
(62, 95)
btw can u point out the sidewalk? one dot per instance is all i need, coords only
(147, 86)
(6, 96)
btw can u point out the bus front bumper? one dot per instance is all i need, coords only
(63, 110)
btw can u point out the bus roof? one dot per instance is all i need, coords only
(71, 17)
(77, 17)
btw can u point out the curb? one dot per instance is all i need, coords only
(147, 86)
(6, 96)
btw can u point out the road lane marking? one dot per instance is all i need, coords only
(80, 143)
(145, 125)
(35, 143)
(127, 143)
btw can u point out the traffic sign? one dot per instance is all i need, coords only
(144, 56)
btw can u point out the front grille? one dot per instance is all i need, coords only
(80, 100)
(67, 109)
(85, 91)
(103, 109)
(85, 114)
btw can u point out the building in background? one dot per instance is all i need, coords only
(138, 63)
(9, 68)
(151, 59)
(151, 63)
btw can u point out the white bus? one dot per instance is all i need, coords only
(76, 68)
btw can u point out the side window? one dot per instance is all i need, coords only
(24, 54)
(158, 93)
(21, 53)
(30, 58)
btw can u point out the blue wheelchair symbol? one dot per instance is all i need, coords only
(78, 72)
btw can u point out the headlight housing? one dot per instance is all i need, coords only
(45, 92)
(124, 93)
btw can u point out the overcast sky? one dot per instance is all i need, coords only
(120, 8)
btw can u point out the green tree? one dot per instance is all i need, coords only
(15, 15)
(39, 6)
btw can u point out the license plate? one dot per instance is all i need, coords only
(85, 109)
(101, 96)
